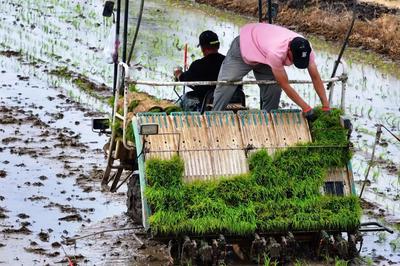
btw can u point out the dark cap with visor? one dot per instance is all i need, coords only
(208, 38)
(301, 51)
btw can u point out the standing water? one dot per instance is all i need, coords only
(49, 34)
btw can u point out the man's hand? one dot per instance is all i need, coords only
(326, 109)
(177, 72)
(309, 115)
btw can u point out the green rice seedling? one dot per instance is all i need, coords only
(269, 262)
(132, 88)
(375, 175)
(362, 111)
(369, 112)
(156, 109)
(111, 100)
(300, 263)
(382, 237)
(78, 9)
(132, 105)
(241, 220)
(172, 108)
(236, 191)
(165, 199)
(369, 261)
(165, 173)
(395, 244)
(340, 262)
(167, 222)
(117, 127)
(129, 133)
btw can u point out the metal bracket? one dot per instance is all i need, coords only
(101, 125)
(374, 227)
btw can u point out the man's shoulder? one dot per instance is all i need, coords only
(214, 58)
(207, 60)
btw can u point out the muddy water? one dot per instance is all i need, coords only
(50, 157)
(73, 33)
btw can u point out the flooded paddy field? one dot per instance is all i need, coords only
(51, 162)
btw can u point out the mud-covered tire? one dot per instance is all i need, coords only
(133, 201)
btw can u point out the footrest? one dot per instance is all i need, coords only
(234, 107)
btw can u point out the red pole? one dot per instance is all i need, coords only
(185, 57)
(185, 67)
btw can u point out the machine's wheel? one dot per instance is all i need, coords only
(134, 202)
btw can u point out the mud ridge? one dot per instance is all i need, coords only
(377, 28)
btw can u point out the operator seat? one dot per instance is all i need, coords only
(238, 101)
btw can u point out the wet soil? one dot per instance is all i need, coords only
(51, 166)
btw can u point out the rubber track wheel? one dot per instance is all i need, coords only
(134, 201)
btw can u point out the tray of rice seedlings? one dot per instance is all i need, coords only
(280, 193)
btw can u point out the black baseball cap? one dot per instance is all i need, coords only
(208, 38)
(301, 51)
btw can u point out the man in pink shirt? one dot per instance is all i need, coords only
(266, 49)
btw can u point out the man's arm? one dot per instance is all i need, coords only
(282, 79)
(191, 74)
(318, 85)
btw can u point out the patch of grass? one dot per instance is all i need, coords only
(63, 72)
(81, 81)
(83, 84)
